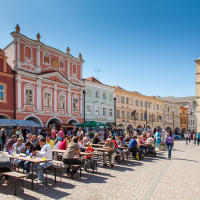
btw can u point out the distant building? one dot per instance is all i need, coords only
(48, 82)
(189, 103)
(99, 102)
(6, 88)
(184, 124)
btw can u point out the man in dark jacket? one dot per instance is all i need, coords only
(36, 143)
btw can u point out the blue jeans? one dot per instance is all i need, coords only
(25, 165)
(186, 139)
(195, 141)
(40, 172)
(169, 147)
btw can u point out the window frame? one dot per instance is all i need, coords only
(50, 106)
(97, 106)
(28, 89)
(96, 92)
(110, 112)
(90, 109)
(104, 93)
(3, 91)
(104, 111)
(121, 99)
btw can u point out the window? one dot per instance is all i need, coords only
(189, 122)
(104, 111)
(165, 118)
(145, 104)
(127, 114)
(74, 69)
(110, 112)
(168, 109)
(89, 109)
(136, 102)
(158, 118)
(149, 105)
(153, 105)
(127, 100)
(47, 99)
(160, 107)
(117, 113)
(110, 97)
(122, 99)
(183, 112)
(104, 95)
(97, 110)
(2, 93)
(117, 98)
(149, 117)
(168, 118)
(193, 122)
(171, 118)
(145, 116)
(131, 101)
(62, 102)
(141, 103)
(75, 104)
(131, 116)
(97, 94)
(157, 106)
(122, 114)
(29, 97)
(141, 116)
(61, 64)
(136, 116)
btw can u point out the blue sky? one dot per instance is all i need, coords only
(147, 46)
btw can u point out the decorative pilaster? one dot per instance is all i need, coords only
(81, 73)
(55, 98)
(69, 100)
(81, 102)
(39, 86)
(18, 53)
(38, 67)
(19, 95)
(68, 68)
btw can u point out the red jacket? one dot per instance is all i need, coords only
(116, 146)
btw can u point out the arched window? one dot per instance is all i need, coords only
(28, 52)
(74, 69)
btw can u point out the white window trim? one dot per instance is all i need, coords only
(29, 86)
(106, 95)
(25, 52)
(88, 104)
(106, 111)
(95, 94)
(109, 112)
(46, 52)
(73, 67)
(61, 93)
(98, 109)
(47, 90)
(75, 96)
(3, 93)
(63, 61)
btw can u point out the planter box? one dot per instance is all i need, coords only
(162, 147)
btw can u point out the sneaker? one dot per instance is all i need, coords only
(39, 182)
(105, 165)
(36, 179)
(112, 165)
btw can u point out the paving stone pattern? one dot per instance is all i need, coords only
(152, 178)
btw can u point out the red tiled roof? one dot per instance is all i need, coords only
(117, 87)
(92, 79)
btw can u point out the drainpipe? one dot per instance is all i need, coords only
(14, 79)
(115, 110)
(84, 92)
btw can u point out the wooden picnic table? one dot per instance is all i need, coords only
(63, 151)
(97, 145)
(33, 160)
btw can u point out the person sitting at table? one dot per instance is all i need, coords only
(36, 143)
(57, 143)
(64, 143)
(144, 136)
(116, 137)
(17, 148)
(49, 141)
(96, 139)
(134, 147)
(100, 137)
(110, 146)
(114, 140)
(29, 149)
(81, 144)
(70, 153)
(89, 158)
(29, 137)
(121, 143)
(10, 143)
(34, 139)
(45, 153)
(86, 139)
(141, 145)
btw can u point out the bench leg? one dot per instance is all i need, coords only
(80, 172)
(14, 186)
(55, 174)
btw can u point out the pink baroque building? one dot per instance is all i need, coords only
(49, 85)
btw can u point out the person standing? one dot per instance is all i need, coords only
(198, 138)
(186, 137)
(3, 135)
(194, 138)
(189, 137)
(53, 133)
(61, 132)
(24, 132)
(43, 132)
(170, 142)
(157, 137)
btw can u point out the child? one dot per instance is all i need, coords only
(89, 158)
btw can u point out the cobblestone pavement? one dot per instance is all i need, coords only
(152, 178)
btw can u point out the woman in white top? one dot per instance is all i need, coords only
(81, 144)
(186, 137)
(57, 143)
(18, 148)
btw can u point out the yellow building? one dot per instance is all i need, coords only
(184, 126)
(127, 102)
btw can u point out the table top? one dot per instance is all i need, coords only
(35, 160)
(58, 150)
(98, 145)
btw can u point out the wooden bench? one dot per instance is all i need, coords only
(95, 162)
(16, 176)
(57, 168)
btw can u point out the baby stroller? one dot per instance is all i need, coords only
(150, 150)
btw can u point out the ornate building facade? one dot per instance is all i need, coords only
(49, 81)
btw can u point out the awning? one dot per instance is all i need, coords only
(25, 123)
(7, 122)
(66, 125)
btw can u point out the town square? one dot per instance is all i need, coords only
(99, 100)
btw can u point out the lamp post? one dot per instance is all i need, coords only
(146, 111)
(84, 92)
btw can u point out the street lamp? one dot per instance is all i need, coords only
(150, 103)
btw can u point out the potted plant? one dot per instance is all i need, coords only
(162, 146)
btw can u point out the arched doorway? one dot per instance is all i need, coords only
(168, 129)
(73, 121)
(122, 126)
(177, 131)
(139, 129)
(183, 130)
(3, 116)
(130, 127)
(53, 120)
(159, 129)
(36, 120)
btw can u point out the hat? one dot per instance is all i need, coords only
(88, 143)
(59, 138)
(29, 135)
(109, 140)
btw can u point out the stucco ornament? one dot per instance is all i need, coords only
(17, 28)
(80, 56)
(55, 63)
(38, 37)
(68, 50)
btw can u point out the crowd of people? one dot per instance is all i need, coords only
(73, 143)
(192, 136)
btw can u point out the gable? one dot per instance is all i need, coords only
(55, 78)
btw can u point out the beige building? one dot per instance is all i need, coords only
(197, 94)
(127, 102)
